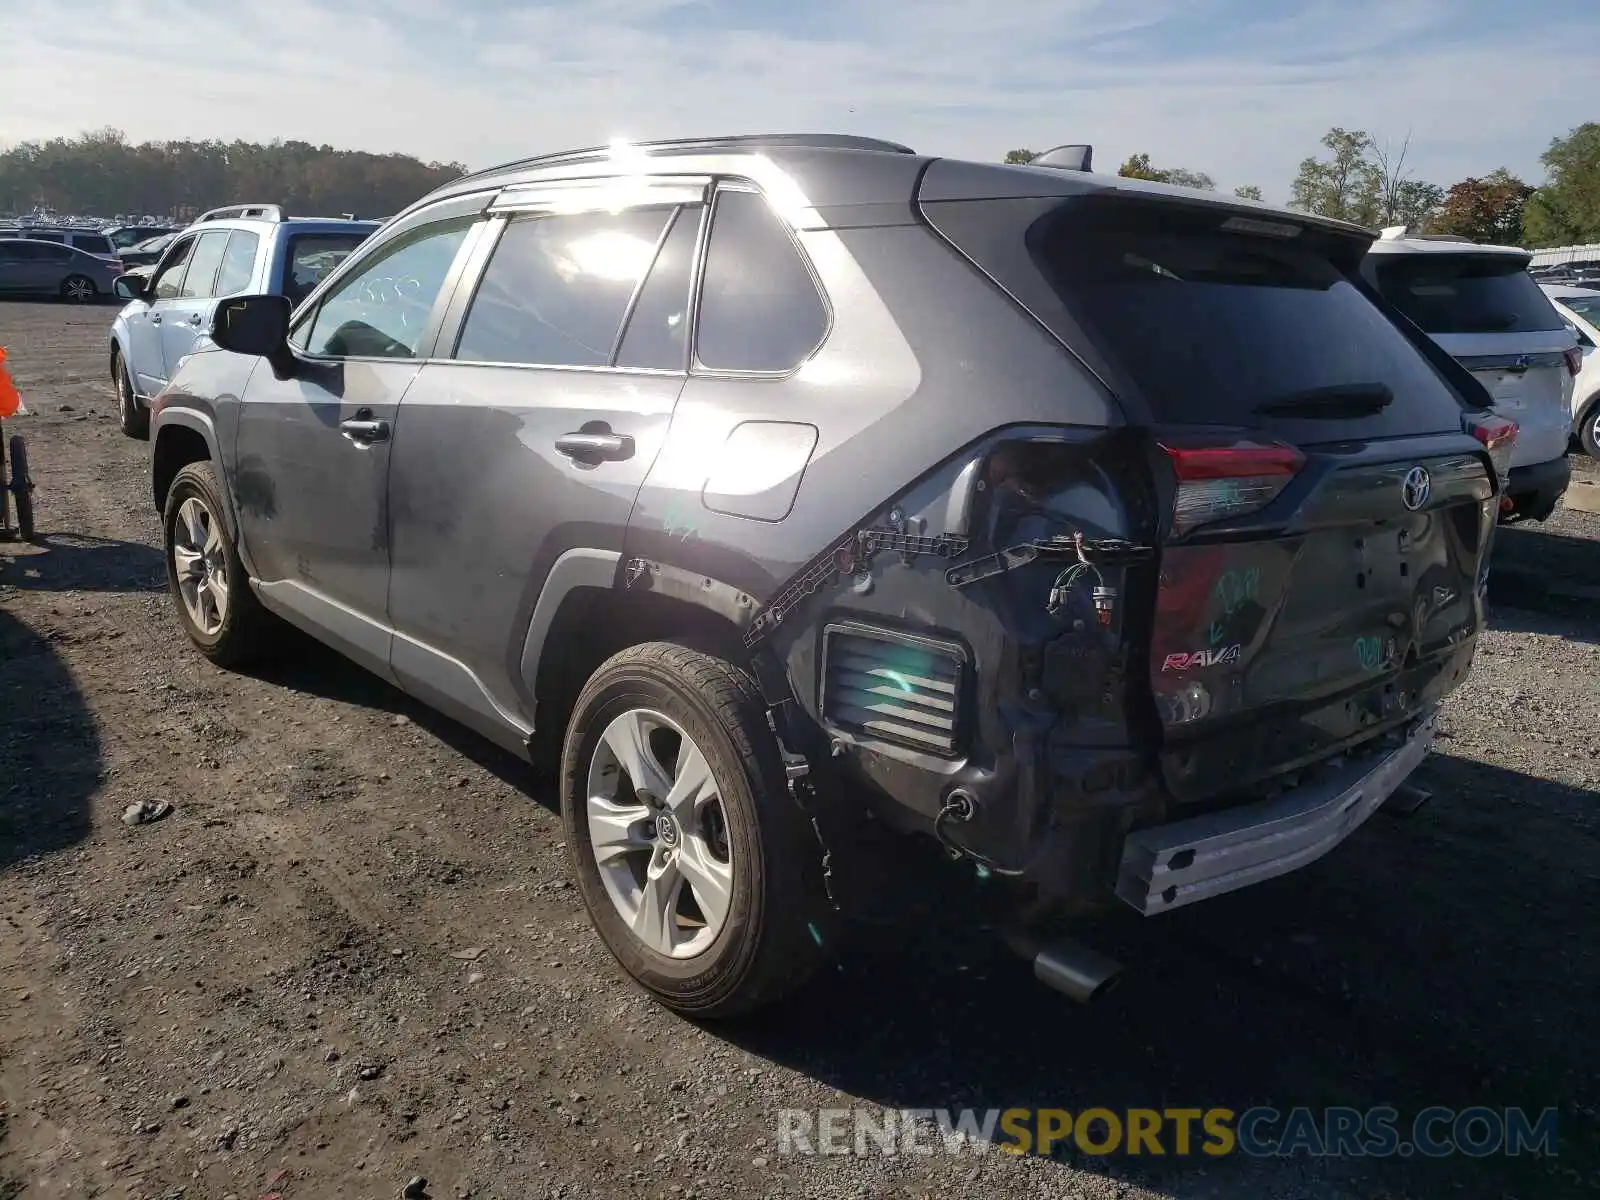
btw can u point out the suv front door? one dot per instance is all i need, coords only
(313, 449)
(186, 318)
(146, 353)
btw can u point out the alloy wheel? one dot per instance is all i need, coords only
(201, 566)
(79, 290)
(659, 834)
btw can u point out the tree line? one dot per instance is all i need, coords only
(1361, 178)
(103, 174)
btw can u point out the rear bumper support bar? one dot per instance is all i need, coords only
(1168, 866)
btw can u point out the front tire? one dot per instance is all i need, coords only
(78, 289)
(699, 869)
(216, 606)
(21, 487)
(133, 416)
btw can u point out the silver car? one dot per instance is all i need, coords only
(29, 267)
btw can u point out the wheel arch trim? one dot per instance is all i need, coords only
(579, 567)
(174, 417)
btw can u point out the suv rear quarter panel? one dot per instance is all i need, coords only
(924, 356)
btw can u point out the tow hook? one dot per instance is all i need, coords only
(1068, 966)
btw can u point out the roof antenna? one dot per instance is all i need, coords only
(1067, 158)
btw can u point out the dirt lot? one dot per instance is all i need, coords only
(351, 955)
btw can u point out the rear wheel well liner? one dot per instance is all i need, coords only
(176, 446)
(593, 623)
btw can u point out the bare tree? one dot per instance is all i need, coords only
(1391, 177)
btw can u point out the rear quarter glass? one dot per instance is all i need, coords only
(1206, 325)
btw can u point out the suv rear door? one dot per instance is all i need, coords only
(567, 348)
(1488, 313)
(1322, 517)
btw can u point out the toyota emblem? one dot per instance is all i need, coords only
(1414, 491)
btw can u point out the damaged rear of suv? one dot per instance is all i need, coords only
(1117, 536)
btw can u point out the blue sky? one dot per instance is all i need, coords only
(1240, 90)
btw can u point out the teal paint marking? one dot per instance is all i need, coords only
(1369, 653)
(1233, 590)
(679, 521)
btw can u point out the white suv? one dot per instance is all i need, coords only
(1481, 306)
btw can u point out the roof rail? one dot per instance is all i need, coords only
(264, 212)
(707, 145)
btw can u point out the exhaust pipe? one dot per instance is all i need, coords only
(1069, 967)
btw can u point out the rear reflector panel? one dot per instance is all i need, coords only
(883, 685)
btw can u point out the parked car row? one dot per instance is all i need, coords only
(1119, 538)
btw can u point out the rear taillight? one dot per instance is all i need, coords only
(1574, 357)
(1494, 432)
(1219, 482)
(1498, 435)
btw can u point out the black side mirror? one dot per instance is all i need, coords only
(256, 325)
(130, 287)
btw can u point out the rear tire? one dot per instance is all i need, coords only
(1589, 429)
(212, 593)
(22, 487)
(133, 416)
(740, 837)
(78, 289)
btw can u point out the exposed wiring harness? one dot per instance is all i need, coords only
(960, 807)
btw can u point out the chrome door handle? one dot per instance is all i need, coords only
(155, 318)
(595, 447)
(364, 433)
(195, 319)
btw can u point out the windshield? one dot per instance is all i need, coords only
(1587, 307)
(1465, 293)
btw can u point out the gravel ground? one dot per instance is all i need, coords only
(351, 954)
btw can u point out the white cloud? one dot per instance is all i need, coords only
(1242, 97)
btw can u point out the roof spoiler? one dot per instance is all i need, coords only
(1067, 158)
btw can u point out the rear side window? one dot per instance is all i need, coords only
(238, 263)
(312, 256)
(1465, 293)
(658, 329)
(48, 237)
(557, 288)
(200, 282)
(93, 243)
(759, 306)
(1213, 325)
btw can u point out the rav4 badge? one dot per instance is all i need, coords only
(1219, 657)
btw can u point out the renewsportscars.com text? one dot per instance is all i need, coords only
(1260, 1132)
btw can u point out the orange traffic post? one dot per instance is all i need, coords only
(10, 398)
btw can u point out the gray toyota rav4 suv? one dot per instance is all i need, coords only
(1117, 536)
